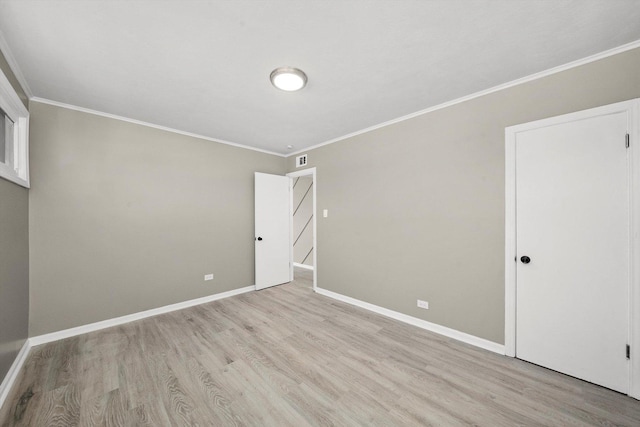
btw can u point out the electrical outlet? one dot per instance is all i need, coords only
(208, 276)
(423, 304)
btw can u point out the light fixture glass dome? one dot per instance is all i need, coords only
(288, 79)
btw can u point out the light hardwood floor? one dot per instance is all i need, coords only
(285, 356)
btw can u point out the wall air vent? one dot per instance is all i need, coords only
(301, 161)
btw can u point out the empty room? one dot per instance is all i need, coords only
(306, 213)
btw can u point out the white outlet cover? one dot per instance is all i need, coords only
(208, 277)
(423, 304)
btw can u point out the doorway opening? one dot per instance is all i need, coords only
(303, 253)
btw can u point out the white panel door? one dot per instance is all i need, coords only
(572, 216)
(272, 230)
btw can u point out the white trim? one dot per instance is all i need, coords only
(510, 245)
(632, 108)
(15, 68)
(17, 167)
(291, 240)
(607, 53)
(91, 327)
(433, 327)
(14, 370)
(526, 79)
(634, 264)
(151, 125)
(306, 267)
(312, 172)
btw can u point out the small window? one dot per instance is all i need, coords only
(14, 135)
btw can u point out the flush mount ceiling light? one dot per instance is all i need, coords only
(288, 79)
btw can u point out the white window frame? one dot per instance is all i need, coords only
(16, 166)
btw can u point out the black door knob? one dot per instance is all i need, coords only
(259, 238)
(525, 259)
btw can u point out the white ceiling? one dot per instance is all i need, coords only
(203, 66)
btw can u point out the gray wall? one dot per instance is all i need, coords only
(419, 213)
(14, 259)
(126, 218)
(303, 220)
(14, 271)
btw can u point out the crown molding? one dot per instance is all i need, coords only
(147, 124)
(4, 48)
(13, 64)
(522, 80)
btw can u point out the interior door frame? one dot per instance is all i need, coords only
(306, 172)
(632, 109)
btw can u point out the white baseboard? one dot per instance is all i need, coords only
(433, 327)
(11, 376)
(14, 370)
(307, 267)
(91, 327)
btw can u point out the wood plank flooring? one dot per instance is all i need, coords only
(285, 356)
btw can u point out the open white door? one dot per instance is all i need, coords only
(272, 230)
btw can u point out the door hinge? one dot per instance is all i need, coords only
(626, 140)
(628, 351)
